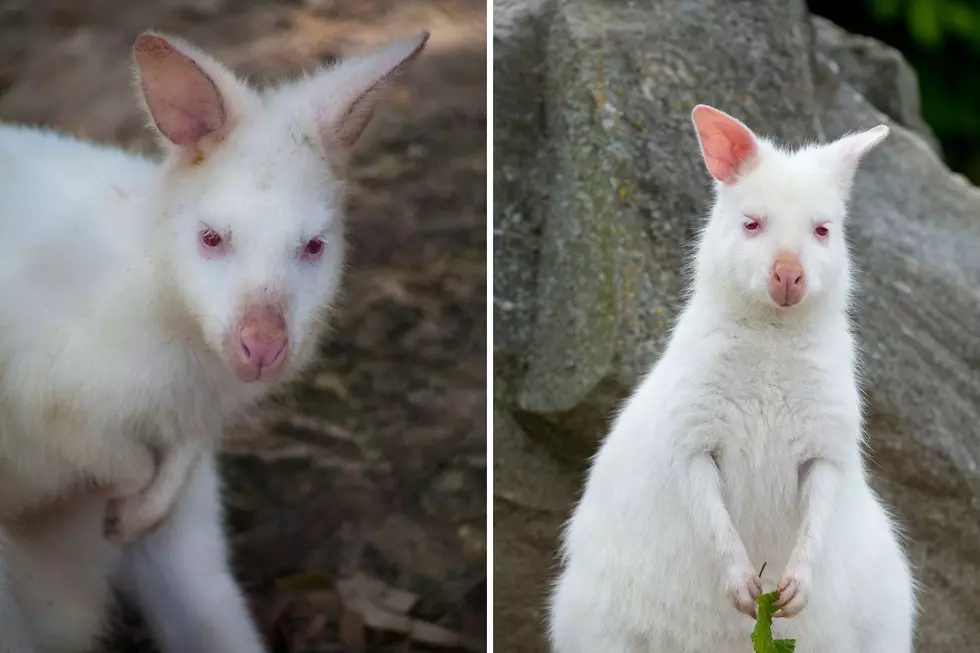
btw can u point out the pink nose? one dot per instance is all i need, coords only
(261, 353)
(262, 344)
(787, 284)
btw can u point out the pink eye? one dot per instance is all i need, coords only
(752, 225)
(313, 249)
(822, 232)
(211, 238)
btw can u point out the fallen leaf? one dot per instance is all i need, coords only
(306, 581)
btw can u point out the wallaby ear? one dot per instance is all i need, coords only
(184, 101)
(346, 95)
(729, 147)
(847, 151)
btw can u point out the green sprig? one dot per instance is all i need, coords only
(762, 641)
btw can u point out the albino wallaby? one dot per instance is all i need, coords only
(743, 445)
(146, 305)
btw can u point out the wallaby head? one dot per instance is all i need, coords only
(250, 209)
(776, 233)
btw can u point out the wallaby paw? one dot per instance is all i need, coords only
(126, 520)
(744, 586)
(134, 477)
(794, 592)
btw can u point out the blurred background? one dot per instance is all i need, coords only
(357, 501)
(941, 40)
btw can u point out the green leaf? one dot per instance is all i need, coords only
(762, 641)
(785, 645)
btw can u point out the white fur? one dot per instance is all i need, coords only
(114, 327)
(132, 515)
(60, 576)
(181, 578)
(63, 570)
(743, 446)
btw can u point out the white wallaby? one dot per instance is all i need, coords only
(146, 305)
(743, 445)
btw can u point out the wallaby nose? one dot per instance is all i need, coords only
(787, 283)
(261, 353)
(262, 344)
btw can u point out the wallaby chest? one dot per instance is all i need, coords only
(782, 401)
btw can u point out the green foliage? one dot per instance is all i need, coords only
(941, 40)
(762, 641)
(931, 22)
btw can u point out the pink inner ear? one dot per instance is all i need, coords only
(727, 144)
(343, 120)
(183, 101)
(350, 130)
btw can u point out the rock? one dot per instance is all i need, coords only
(878, 72)
(531, 497)
(598, 191)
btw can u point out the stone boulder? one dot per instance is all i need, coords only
(598, 191)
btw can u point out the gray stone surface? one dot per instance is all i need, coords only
(599, 189)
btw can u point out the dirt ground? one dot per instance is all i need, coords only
(357, 501)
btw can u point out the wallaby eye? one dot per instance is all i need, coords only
(821, 232)
(312, 249)
(752, 225)
(211, 238)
